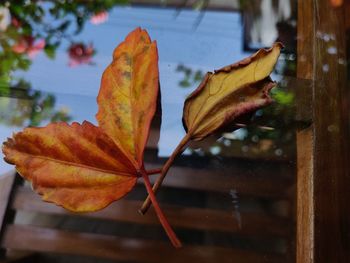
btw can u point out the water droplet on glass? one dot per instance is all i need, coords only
(332, 50)
(215, 150)
(319, 34)
(278, 152)
(325, 68)
(291, 57)
(245, 148)
(326, 37)
(227, 142)
(341, 61)
(332, 128)
(255, 138)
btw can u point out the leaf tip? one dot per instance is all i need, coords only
(279, 45)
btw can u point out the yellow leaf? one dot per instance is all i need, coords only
(128, 94)
(85, 167)
(230, 92)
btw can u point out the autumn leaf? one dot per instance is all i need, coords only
(76, 166)
(128, 96)
(230, 92)
(223, 96)
(83, 167)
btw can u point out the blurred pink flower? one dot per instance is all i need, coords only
(29, 46)
(79, 53)
(99, 18)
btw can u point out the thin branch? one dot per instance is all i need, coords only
(169, 231)
(179, 7)
(201, 15)
(179, 149)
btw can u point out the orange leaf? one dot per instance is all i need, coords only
(230, 92)
(75, 166)
(84, 167)
(128, 94)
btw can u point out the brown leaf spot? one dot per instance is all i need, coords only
(127, 75)
(127, 58)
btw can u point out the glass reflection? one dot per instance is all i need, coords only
(51, 59)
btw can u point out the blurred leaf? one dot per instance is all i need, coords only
(283, 97)
(64, 25)
(50, 51)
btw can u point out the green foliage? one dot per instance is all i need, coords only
(190, 77)
(283, 97)
(50, 23)
(21, 106)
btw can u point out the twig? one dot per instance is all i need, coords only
(201, 15)
(154, 171)
(169, 231)
(165, 169)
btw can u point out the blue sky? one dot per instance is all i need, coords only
(216, 42)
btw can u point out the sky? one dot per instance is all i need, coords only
(214, 43)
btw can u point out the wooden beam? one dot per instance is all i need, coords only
(305, 179)
(323, 195)
(259, 183)
(112, 247)
(6, 183)
(253, 224)
(331, 139)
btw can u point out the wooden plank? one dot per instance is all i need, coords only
(347, 14)
(305, 206)
(13, 256)
(253, 224)
(259, 183)
(111, 247)
(6, 183)
(331, 139)
(324, 173)
(305, 191)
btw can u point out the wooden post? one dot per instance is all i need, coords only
(323, 196)
(6, 187)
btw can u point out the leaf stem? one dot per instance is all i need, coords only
(154, 171)
(169, 231)
(179, 149)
